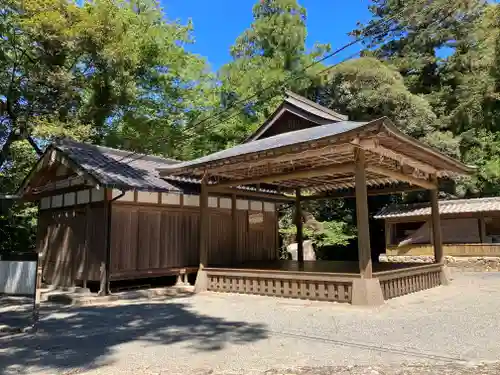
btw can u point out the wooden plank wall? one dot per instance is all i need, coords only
(72, 243)
(148, 240)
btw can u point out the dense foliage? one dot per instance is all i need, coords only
(117, 72)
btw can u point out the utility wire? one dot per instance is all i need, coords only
(293, 76)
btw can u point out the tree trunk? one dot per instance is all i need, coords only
(6, 147)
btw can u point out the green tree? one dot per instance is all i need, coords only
(113, 72)
(265, 56)
(413, 35)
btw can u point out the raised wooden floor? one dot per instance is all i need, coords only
(319, 280)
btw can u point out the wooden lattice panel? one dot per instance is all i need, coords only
(410, 281)
(287, 287)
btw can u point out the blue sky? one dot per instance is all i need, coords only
(217, 23)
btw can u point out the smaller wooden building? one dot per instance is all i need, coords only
(106, 215)
(469, 227)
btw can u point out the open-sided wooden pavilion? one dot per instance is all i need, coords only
(326, 156)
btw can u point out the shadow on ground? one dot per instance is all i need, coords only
(84, 337)
(16, 312)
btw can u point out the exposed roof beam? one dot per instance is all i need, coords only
(372, 146)
(371, 192)
(246, 193)
(426, 184)
(331, 169)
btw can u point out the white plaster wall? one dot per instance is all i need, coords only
(147, 197)
(170, 198)
(97, 195)
(57, 200)
(83, 196)
(69, 199)
(269, 207)
(212, 202)
(191, 200)
(255, 206)
(241, 204)
(225, 203)
(45, 203)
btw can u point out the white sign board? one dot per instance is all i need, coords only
(18, 277)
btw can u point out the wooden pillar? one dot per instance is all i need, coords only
(234, 234)
(364, 250)
(436, 227)
(201, 283)
(86, 249)
(482, 229)
(105, 265)
(298, 224)
(388, 233)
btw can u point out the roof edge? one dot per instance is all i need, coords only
(395, 132)
(320, 107)
(195, 163)
(289, 94)
(74, 165)
(385, 213)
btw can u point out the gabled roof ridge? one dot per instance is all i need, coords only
(320, 107)
(299, 106)
(116, 151)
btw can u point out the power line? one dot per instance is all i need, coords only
(304, 69)
(134, 156)
(292, 76)
(217, 115)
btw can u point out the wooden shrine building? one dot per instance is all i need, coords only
(469, 228)
(107, 214)
(339, 158)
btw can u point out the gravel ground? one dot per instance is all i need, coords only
(16, 313)
(446, 330)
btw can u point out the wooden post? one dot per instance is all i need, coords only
(436, 227)
(298, 224)
(105, 265)
(482, 229)
(201, 283)
(365, 290)
(234, 234)
(364, 250)
(388, 233)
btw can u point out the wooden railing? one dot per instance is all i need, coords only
(409, 280)
(304, 285)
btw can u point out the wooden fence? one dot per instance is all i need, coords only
(397, 283)
(314, 286)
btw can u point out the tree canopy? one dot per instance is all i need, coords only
(119, 73)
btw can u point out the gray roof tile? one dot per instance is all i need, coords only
(274, 142)
(314, 108)
(121, 169)
(445, 207)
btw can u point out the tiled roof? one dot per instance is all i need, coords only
(128, 170)
(121, 169)
(276, 141)
(445, 207)
(314, 108)
(294, 102)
